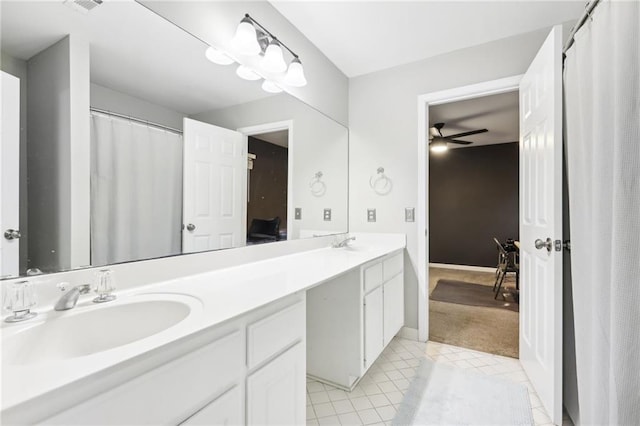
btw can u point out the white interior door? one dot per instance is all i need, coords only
(541, 223)
(9, 175)
(215, 190)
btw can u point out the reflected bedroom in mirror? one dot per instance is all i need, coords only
(133, 145)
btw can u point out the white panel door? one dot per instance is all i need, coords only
(276, 393)
(373, 326)
(541, 221)
(9, 174)
(393, 307)
(215, 190)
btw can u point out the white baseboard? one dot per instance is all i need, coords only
(408, 333)
(462, 267)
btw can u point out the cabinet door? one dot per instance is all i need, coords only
(393, 307)
(276, 392)
(373, 326)
(225, 410)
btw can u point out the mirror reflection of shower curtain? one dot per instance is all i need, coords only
(136, 191)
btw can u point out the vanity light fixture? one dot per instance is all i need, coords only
(295, 74)
(217, 56)
(273, 60)
(252, 39)
(246, 39)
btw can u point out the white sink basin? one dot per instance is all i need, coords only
(87, 330)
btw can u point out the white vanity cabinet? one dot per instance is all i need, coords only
(352, 318)
(250, 370)
(383, 286)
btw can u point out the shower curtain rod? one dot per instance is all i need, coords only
(583, 18)
(137, 120)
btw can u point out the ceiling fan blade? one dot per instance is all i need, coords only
(459, 142)
(469, 133)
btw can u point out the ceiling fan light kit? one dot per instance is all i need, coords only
(439, 143)
(252, 39)
(438, 146)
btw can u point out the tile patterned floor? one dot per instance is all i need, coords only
(377, 397)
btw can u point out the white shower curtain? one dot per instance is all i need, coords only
(136, 191)
(602, 101)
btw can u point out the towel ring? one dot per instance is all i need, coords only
(318, 187)
(380, 183)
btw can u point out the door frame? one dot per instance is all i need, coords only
(273, 127)
(486, 88)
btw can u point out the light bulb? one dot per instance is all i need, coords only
(273, 61)
(271, 87)
(246, 41)
(439, 146)
(295, 74)
(247, 73)
(218, 56)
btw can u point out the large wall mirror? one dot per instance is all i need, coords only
(132, 145)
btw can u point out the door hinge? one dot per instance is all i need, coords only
(559, 245)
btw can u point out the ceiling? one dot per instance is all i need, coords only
(133, 51)
(496, 113)
(279, 137)
(361, 37)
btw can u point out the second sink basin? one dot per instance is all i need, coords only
(85, 331)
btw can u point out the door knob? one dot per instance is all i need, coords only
(12, 234)
(542, 244)
(191, 227)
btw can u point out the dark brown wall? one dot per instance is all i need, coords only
(268, 184)
(473, 196)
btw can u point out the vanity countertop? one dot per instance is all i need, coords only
(217, 296)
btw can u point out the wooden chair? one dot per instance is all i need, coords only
(506, 264)
(264, 230)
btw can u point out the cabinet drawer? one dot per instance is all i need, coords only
(225, 410)
(167, 394)
(274, 333)
(372, 277)
(393, 266)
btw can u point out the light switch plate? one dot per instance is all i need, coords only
(327, 215)
(371, 215)
(409, 214)
(298, 213)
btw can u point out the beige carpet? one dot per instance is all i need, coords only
(483, 329)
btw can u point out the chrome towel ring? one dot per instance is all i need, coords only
(380, 183)
(317, 186)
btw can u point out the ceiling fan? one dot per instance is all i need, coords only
(438, 142)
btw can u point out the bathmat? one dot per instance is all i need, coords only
(444, 395)
(463, 293)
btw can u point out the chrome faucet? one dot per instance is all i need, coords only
(70, 298)
(342, 243)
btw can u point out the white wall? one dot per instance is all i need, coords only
(18, 68)
(383, 126)
(215, 22)
(319, 144)
(58, 155)
(122, 103)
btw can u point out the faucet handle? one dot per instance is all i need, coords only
(19, 298)
(104, 286)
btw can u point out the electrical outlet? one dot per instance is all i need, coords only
(298, 213)
(409, 214)
(327, 215)
(371, 215)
